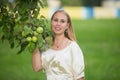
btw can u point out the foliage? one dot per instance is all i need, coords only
(19, 21)
(92, 3)
(89, 3)
(72, 2)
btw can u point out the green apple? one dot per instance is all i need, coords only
(23, 34)
(40, 30)
(36, 9)
(28, 39)
(34, 39)
(35, 33)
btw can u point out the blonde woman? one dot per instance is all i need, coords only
(64, 60)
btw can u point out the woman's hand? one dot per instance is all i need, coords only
(36, 60)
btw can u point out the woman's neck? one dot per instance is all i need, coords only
(60, 42)
(59, 38)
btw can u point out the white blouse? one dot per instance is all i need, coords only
(65, 64)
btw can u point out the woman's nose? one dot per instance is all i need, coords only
(58, 23)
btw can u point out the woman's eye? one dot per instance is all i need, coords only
(55, 20)
(62, 21)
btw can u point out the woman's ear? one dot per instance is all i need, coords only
(67, 25)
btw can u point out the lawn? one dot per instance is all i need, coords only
(99, 40)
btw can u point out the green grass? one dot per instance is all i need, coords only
(99, 40)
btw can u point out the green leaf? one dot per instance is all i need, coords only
(28, 30)
(23, 47)
(17, 29)
(31, 47)
(40, 41)
(11, 41)
(12, 44)
(41, 3)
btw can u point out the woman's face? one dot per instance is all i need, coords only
(59, 23)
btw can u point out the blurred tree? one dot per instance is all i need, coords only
(92, 2)
(81, 2)
(72, 2)
(19, 22)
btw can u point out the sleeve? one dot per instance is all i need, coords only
(45, 57)
(42, 57)
(77, 61)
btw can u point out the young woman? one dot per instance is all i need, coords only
(64, 60)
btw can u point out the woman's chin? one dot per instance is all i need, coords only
(58, 33)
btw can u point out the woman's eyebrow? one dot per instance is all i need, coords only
(60, 18)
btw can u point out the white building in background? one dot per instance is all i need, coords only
(111, 3)
(109, 9)
(112, 8)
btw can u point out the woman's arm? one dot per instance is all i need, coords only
(36, 60)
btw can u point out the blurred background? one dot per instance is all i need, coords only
(96, 24)
(84, 9)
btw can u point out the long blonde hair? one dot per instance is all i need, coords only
(69, 33)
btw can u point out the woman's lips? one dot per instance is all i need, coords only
(57, 28)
